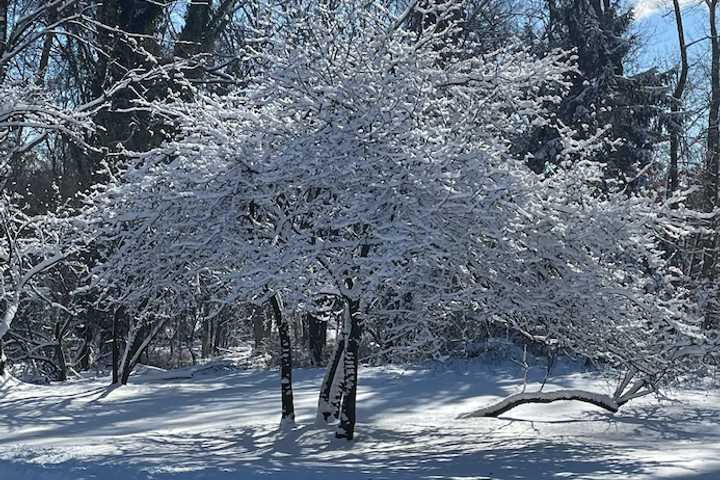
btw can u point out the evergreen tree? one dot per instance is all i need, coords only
(632, 109)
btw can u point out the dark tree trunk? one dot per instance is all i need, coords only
(220, 337)
(332, 386)
(713, 153)
(127, 370)
(193, 36)
(60, 353)
(116, 347)
(85, 358)
(316, 338)
(712, 166)
(190, 343)
(346, 428)
(2, 357)
(676, 125)
(47, 46)
(207, 339)
(4, 30)
(286, 392)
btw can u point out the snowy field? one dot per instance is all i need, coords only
(221, 423)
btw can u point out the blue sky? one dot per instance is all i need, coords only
(647, 8)
(656, 26)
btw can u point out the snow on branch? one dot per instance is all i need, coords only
(599, 400)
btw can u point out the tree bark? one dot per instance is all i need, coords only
(208, 337)
(675, 118)
(47, 46)
(85, 357)
(131, 345)
(332, 385)
(136, 346)
(713, 153)
(191, 40)
(346, 428)
(4, 8)
(508, 403)
(116, 348)
(60, 353)
(2, 359)
(286, 391)
(712, 166)
(316, 338)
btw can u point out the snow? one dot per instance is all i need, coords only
(224, 424)
(7, 382)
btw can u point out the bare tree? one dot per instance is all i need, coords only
(676, 108)
(712, 162)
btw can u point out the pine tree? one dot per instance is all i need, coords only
(631, 108)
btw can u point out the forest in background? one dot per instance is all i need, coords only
(347, 182)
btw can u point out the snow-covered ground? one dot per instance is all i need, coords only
(222, 423)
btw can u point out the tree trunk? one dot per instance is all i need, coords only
(116, 348)
(46, 47)
(192, 38)
(220, 336)
(316, 338)
(346, 428)
(712, 166)
(60, 353)
(286, 392)
(4, 9)
(675, 118)
(85, 356)
(261, 329)
(191, 342)
(136, 346)
(332, 385)
(132, 347)
(2, 359)
(207, 339)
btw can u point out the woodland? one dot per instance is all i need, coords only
(360, 184)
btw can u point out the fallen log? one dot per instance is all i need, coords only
(603, 401)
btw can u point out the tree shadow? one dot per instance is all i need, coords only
(171, 430)
(124, 411)
(675, 424)
(310, 452)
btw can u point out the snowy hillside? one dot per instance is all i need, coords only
(222, 423)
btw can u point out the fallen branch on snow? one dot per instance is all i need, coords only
(508, 403)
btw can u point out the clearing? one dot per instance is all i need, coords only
(221, 423)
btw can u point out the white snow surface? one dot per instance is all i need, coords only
(223, 423)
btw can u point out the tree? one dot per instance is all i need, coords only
(675, 119)
(615, 297)
(322, 179)
(712, 170)
(30, 246)
(631, 109)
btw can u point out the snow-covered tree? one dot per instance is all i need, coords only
(369, 163)
(29, 246)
